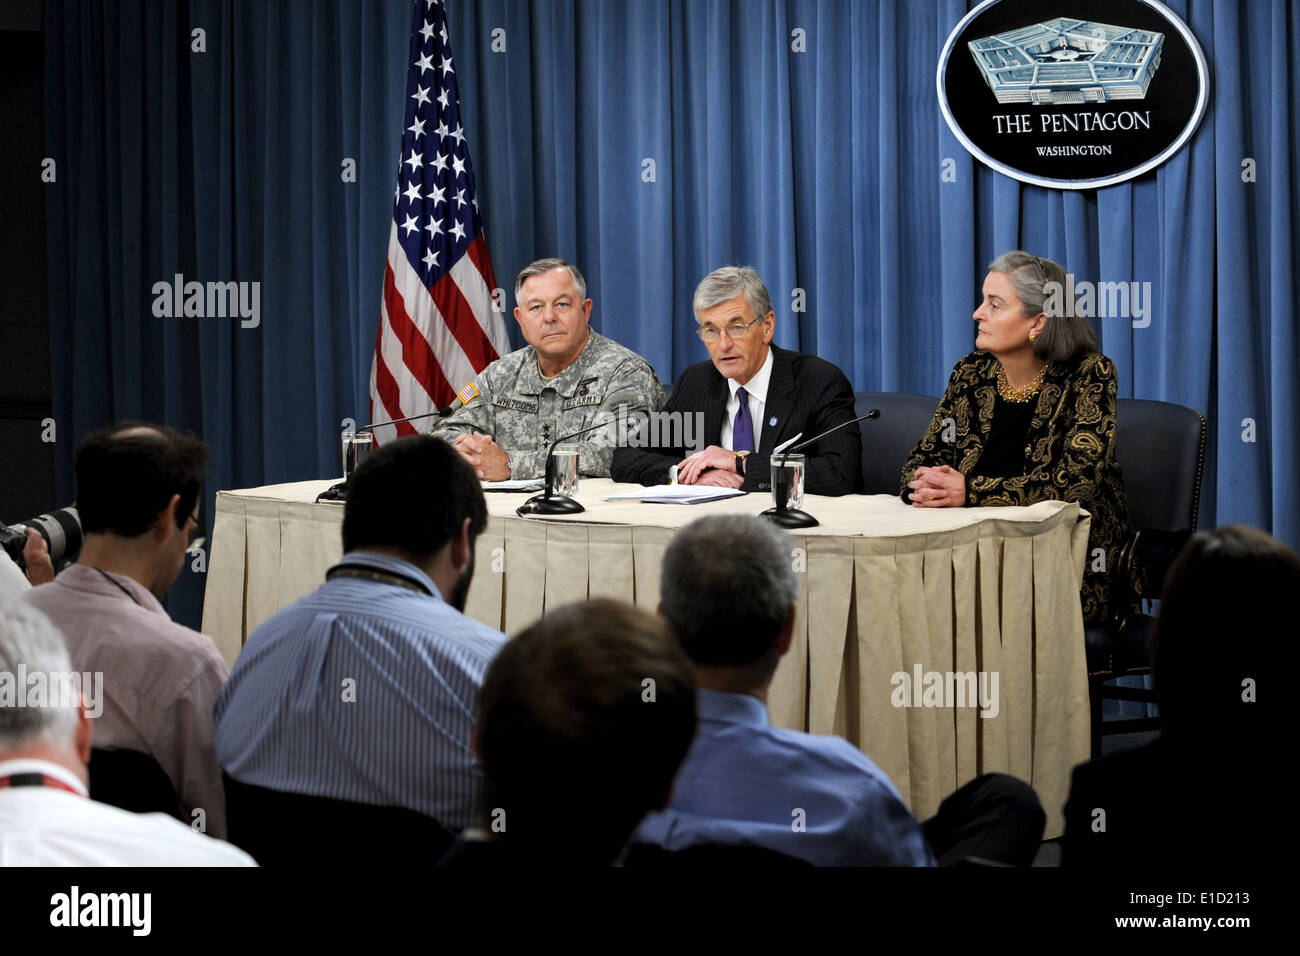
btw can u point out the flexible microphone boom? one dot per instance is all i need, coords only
(547, 503)
(463, 398)
(339, 492)
(793, 517)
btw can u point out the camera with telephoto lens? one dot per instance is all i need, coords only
(60, 528)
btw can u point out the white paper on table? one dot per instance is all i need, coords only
(676, 494)
(515, 484)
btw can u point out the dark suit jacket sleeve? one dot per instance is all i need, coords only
(823, 399)
(649, 466)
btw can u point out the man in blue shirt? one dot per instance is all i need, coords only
(364, 690)
(728, 589)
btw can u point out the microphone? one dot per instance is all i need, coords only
(463, 398)
(466, 395)
(793, 517)
(548, 503)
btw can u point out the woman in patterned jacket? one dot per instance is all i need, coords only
(1029, 416)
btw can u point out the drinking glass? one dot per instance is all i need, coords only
(565, 463)
(356, 448)
(788, 470)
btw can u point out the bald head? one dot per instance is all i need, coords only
(138, 431)
(129, 473)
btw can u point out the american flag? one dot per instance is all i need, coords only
(437, 324)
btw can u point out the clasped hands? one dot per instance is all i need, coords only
(714, 465)
(491, 462)
(941, 487)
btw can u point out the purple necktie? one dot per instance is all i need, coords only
(742, 429)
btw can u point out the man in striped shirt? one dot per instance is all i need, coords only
(364, 690)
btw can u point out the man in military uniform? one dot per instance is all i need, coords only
(566, 379)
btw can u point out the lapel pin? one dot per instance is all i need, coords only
(771, 421)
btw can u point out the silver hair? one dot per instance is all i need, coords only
(543, 266)
(28, 638)
(727, 283)
(1064, 337)
(727, 586)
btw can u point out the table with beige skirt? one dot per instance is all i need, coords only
(945, 643)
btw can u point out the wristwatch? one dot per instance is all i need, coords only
(740, 462)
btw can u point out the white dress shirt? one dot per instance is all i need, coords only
(48, 826)
(756, 389)
(12, 580)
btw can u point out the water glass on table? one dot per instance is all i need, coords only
(788, 470)
(356, 448)
(565, 476)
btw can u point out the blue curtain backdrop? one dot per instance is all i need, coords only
(649, 142)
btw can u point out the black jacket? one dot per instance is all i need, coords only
(805, 395)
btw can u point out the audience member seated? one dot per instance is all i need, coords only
(46, 815)
(1205, 792)
(364, 690)
(138, 496)
(583, 720)
(728, 589)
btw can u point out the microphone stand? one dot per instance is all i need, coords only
(547, 502)
(792, 517)
(339, 492)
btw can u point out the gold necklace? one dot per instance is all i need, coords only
(1019, 395)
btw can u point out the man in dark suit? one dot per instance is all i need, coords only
(751, 397)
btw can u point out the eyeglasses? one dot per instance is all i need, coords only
(735, 331)
(196, 542)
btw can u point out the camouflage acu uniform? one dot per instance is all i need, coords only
(524, 414)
